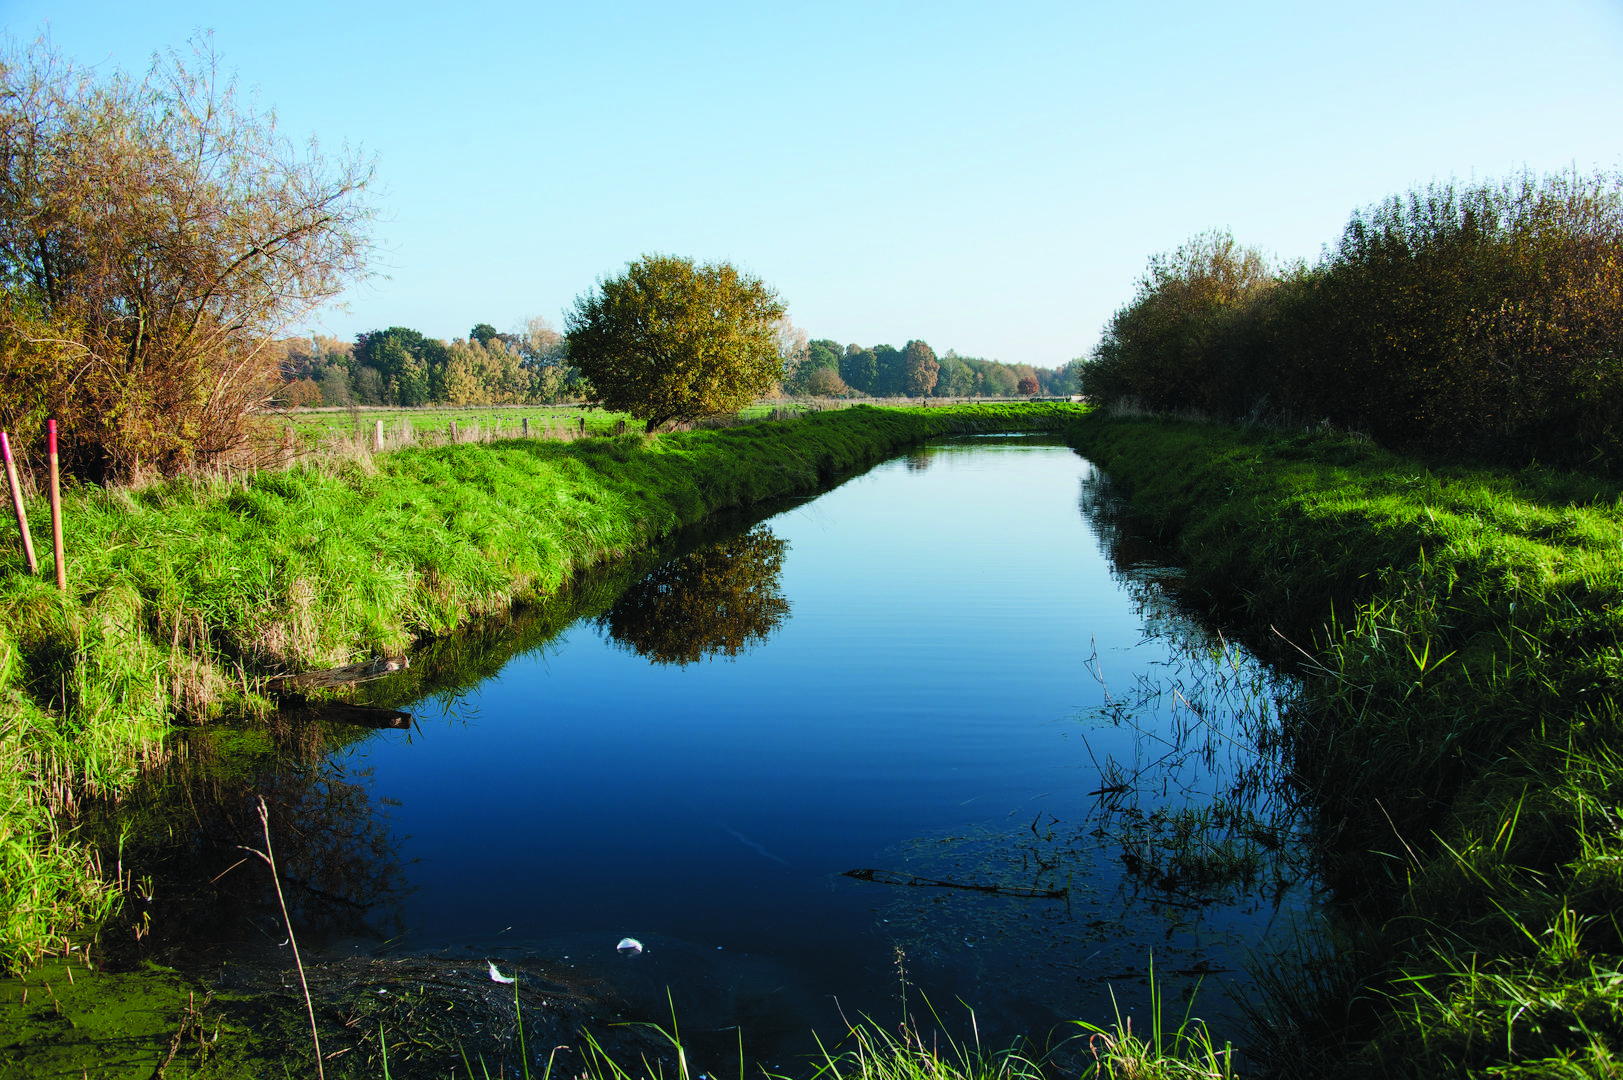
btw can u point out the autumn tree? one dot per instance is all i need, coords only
(544, 353)
(920, 369)
(671, 340)
(155, 237)
(1157, 349)
(826, 382)
(300, 394)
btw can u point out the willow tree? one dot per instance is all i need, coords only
(669, 340)
(156, 234)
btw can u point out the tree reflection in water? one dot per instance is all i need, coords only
(718, 601)
(177, 841)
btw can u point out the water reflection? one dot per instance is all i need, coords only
(178, 841)
(1193, 847)
(717, 601)
(1206, 811)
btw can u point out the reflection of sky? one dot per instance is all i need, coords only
(930, 678)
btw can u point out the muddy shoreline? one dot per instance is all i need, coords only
(434, 1014)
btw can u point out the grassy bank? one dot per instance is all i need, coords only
(1458, 734)
(184, 597)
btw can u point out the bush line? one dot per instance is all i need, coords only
(1474, 319)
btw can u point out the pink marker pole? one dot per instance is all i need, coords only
(17, 504)
(56, 509)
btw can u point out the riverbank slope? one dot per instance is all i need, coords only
(1457, 734)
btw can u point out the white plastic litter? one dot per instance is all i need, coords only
(496, 976)
(629, 945)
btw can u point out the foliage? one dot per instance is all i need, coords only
(402, 366)
(826, 382)
(859, 369)
(411, 366)
(1161, 348)
(1481, 320)
(670, 340)
(916, 371)
(919, 368)
(153, 235)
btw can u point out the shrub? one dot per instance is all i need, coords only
(154, 236)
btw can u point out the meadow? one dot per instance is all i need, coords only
(315, 429)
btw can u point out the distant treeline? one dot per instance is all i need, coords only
(401, 366)
(1482, 320)
(827, 369)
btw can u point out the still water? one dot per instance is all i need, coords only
(945, 668)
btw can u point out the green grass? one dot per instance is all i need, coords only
(318, 427)
(1461, 635)
(319, 430)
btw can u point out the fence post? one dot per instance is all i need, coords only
(17, 504)
(453, 431)
(377, 436)
(583, 425)
(56, 509)
(526, 423)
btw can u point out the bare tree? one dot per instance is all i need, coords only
(539, 342)
(155, 236)
(792, 347)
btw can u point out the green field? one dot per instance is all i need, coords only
(430, 425)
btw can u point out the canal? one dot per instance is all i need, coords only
(946, 733)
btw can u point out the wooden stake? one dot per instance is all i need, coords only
(17, 504)
(56, 508)
(377, 436)
(526, 423)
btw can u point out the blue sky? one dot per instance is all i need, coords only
(987, 177)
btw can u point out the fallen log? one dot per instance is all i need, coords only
(332, 678)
